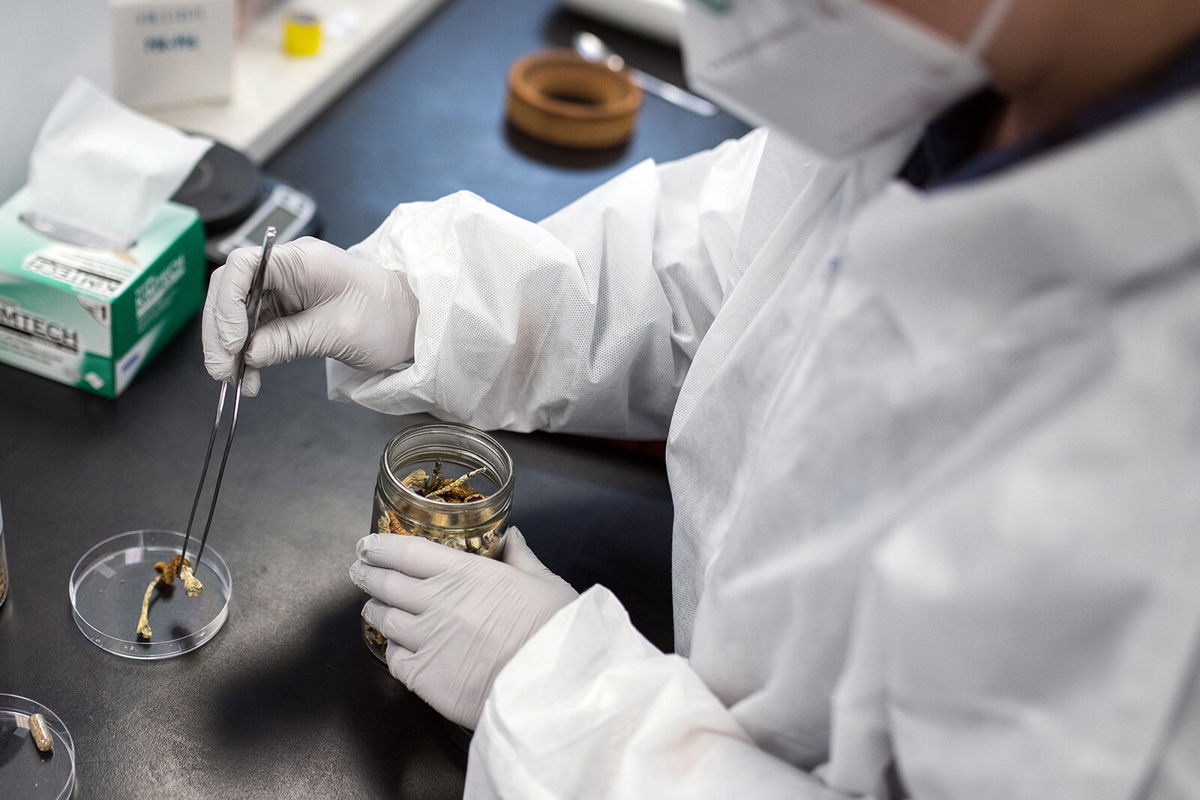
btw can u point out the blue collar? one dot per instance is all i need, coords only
(946, 154)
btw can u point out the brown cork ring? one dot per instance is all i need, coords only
(557, 97)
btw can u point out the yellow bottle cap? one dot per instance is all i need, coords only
(301, 34)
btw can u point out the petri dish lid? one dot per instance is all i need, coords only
(25, 771)
(110, 580)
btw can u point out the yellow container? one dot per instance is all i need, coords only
(301, 34)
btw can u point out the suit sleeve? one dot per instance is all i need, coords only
(586, 322)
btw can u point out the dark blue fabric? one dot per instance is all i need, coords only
(946, 155)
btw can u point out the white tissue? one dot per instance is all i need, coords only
(99, 172)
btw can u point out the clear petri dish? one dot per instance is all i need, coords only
(110, 580)
(25, 771)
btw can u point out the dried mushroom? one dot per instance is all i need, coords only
(435, 486)
(191, 584)
(455, 491)
(167, 572)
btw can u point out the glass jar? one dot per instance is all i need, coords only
(472, 525)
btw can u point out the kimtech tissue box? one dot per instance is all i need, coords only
(93, 318)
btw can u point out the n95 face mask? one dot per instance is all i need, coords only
(836, 75)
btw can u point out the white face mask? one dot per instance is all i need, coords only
(839, 76)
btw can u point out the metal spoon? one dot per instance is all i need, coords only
(593, 48)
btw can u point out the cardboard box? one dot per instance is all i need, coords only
(93, 318)
(167, 52)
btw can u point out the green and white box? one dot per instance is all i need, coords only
(93, 318)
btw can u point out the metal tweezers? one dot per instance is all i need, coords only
(253, 306)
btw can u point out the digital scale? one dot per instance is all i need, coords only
(237, 204)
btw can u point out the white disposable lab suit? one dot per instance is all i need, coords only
(935, 461)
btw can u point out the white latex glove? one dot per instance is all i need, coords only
(454, 619)
(319, 300)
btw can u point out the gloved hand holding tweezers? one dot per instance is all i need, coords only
(253, 307)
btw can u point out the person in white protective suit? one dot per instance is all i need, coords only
(933, 440)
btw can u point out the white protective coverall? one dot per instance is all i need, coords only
(936, 500)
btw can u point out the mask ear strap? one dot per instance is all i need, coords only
(989, 23)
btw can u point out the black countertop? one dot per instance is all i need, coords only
(286, 701)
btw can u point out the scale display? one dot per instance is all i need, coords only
(291, 212)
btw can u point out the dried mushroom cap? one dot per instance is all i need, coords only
(390, 522)
(167, 572)
(417, 476)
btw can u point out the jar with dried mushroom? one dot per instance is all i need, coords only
(448, 483)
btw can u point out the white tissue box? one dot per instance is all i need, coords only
(167, 52)
(94, 318)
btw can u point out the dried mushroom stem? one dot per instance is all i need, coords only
(454, 484)
(435, 478)
(191, 584)
(143, 627)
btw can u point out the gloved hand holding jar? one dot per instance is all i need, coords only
(453, 619)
